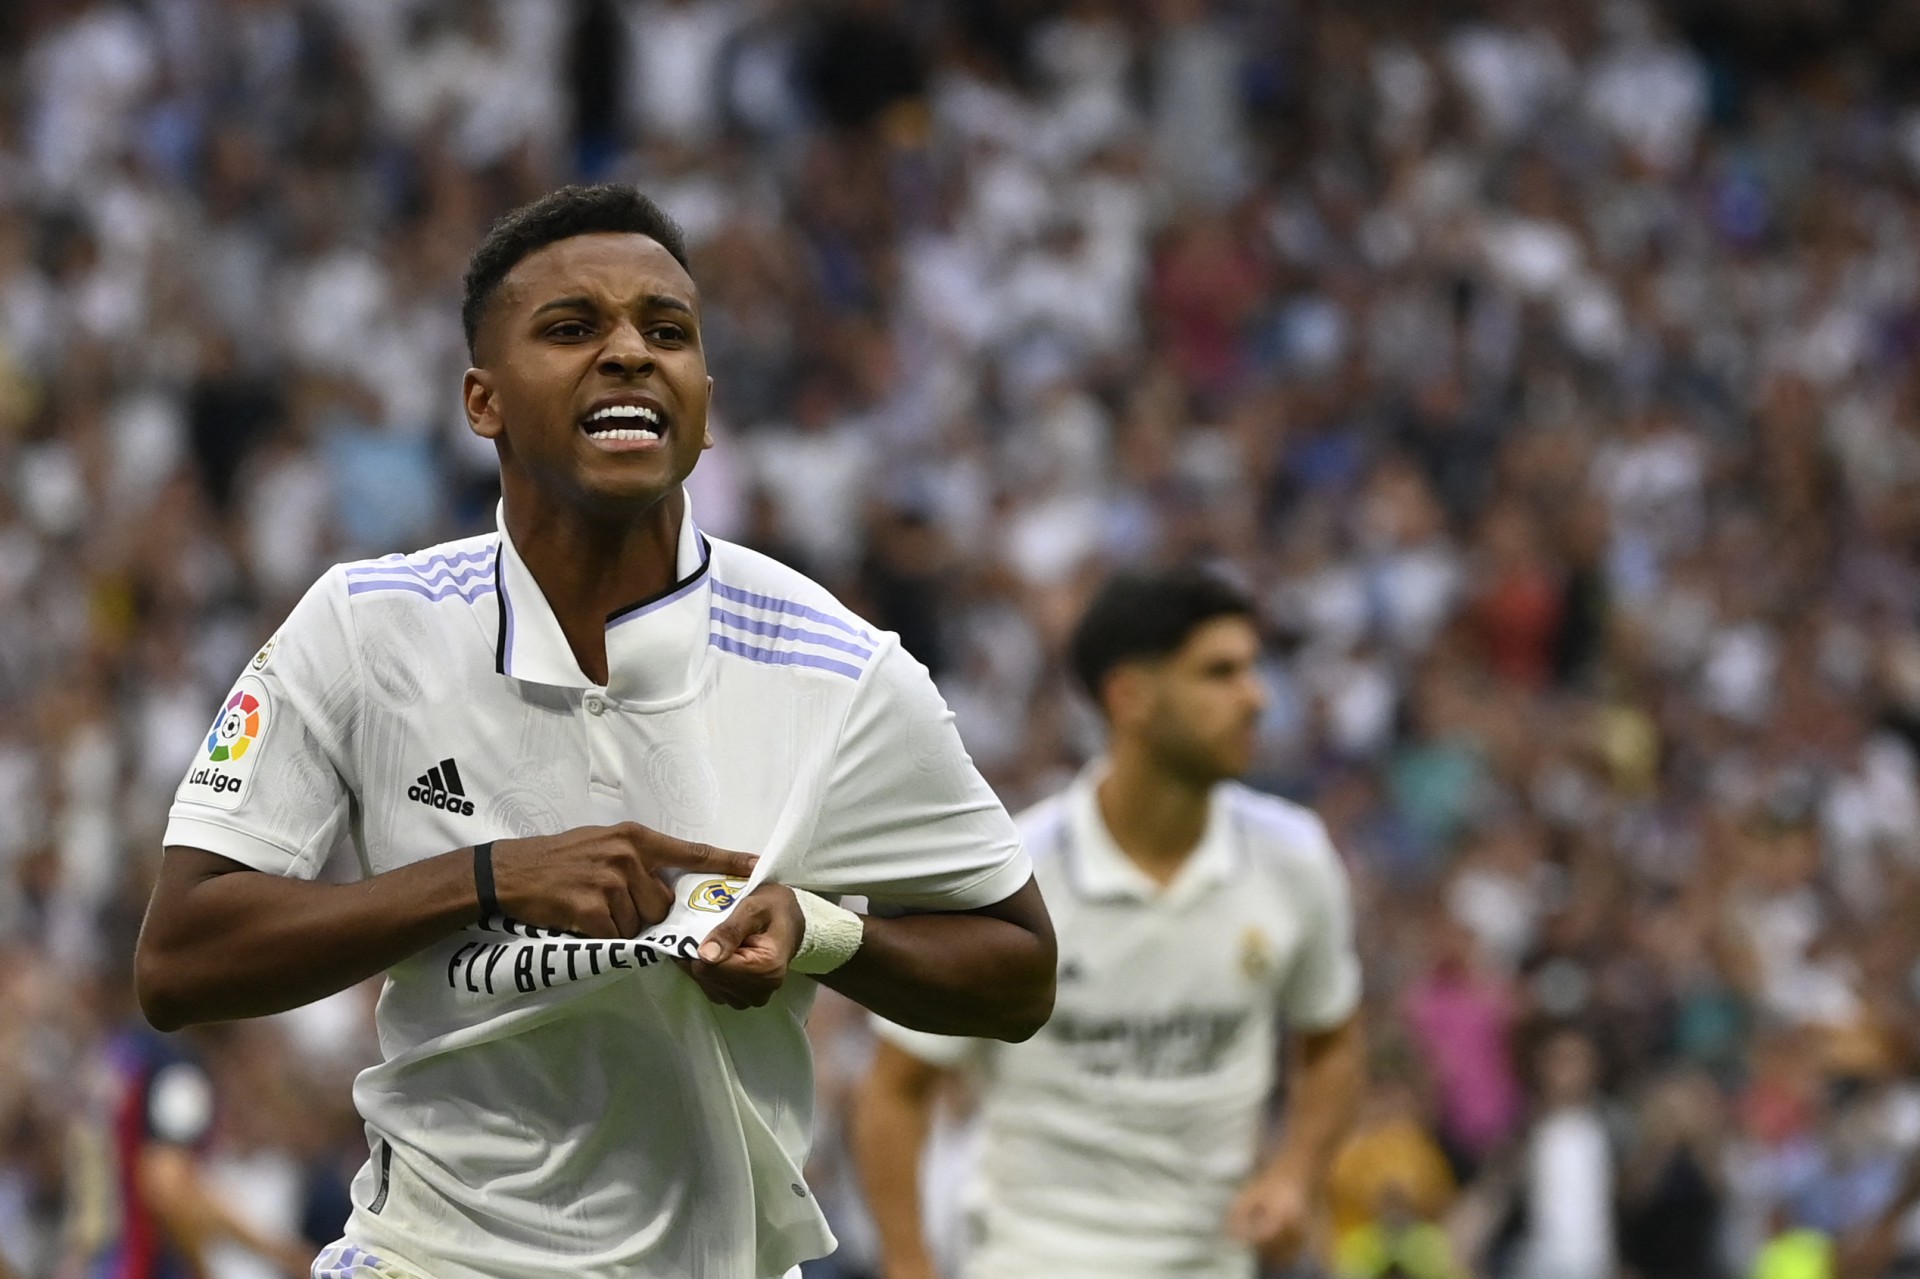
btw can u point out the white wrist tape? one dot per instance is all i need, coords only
(833, 935)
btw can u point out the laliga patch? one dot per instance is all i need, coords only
(223, 769)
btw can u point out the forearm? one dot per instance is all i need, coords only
(987, 974)
(192, 1218)
(891, 1122)
(1323, 1095)
(222, 942)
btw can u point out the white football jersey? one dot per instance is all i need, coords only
(549, 1106)
(1113, 1142)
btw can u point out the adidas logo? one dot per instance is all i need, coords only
(439, 787)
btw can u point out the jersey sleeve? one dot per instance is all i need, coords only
(906, 819)
(1324, 987)
(267, 785)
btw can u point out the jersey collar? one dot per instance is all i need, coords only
(654, 646)
(1098, 869)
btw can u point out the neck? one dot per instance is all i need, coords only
(1156, 817)
(588, 567)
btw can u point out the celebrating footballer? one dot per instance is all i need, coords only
(605, 778)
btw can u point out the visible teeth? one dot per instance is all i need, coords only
(640, 411)
(622, 433)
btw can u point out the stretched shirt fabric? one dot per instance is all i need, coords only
(1113, 1142)
(547, 1105)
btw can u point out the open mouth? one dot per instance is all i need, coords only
(625, 424)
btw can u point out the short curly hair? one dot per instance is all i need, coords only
(608, 207)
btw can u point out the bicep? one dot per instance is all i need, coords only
(182, 867)
(1337, 1044)
(1025, 909)
(182, 870)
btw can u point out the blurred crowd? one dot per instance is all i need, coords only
(1545, 370)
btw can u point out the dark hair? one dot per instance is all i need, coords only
(560, 215)
(1139, 616)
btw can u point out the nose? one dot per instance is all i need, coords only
(626, 353)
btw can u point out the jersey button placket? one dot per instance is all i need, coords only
(603, 752)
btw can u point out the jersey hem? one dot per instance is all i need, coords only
(1315, 1023)
(995, 886)
(249, 850)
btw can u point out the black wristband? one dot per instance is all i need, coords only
(483, 880)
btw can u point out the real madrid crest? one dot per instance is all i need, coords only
(1256, 954)
(716, 895)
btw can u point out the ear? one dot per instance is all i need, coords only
(706, 427)
(1128, 694)
(482, 409)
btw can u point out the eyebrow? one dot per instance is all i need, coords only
(580, 302)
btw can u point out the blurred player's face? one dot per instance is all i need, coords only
(1200, 712)
(592, 381)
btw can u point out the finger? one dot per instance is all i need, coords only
(748, 918)
(660, 850)
(713, 990)
(754, 960)
(652, 900)
(598, 923)
(623, 915)
(722, 992)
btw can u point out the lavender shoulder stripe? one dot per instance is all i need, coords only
(435, 577)
(770, 657)
(773, 604)
(779, 631)
(470, 592)
(469, 556)
(425, 563)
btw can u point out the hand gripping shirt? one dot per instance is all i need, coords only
(1113, 1142)
(546, 1105)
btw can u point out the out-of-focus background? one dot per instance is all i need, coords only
(1546, 370)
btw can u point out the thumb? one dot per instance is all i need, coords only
(741, 923)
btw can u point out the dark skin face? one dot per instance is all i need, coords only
(575, 326)
(578, 327)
